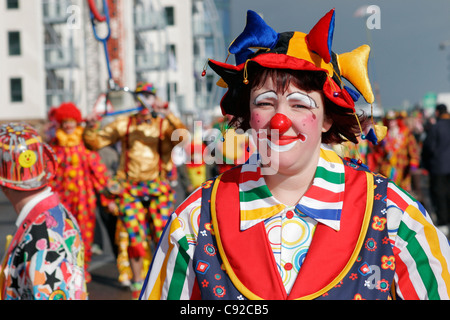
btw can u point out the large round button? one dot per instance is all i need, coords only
(288, 266)
(289, 214)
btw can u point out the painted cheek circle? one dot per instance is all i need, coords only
(255, 119)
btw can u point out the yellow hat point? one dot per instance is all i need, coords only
(380, 132)
(353, 67)
(221, 83)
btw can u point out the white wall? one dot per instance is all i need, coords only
(29, 65)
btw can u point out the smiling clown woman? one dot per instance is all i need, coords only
(297, 221)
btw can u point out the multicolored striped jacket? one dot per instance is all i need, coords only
(419, 252)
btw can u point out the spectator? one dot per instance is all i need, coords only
(436, 160)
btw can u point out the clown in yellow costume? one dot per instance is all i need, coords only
(146, 197)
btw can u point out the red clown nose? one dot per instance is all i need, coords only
(280, 122)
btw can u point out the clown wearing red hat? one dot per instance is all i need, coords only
(81, 176)
(297, 221)
(45, 258)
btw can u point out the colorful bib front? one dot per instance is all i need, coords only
(355, 262)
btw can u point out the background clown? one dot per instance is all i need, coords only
(145, 140)
(81, 176)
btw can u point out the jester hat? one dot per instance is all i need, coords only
(260, 44)
(145, 87)
(27, 163)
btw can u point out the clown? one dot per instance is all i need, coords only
(298, 221)
(231, 148)
(144, 204)
(81, 176)
(399, 152)
(45, 258)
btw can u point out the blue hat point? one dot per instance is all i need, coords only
(257, 34)
(371, 136)
(243, 56)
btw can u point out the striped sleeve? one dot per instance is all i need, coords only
(171, 275)
(422, 252)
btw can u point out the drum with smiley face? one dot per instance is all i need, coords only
(27, 163)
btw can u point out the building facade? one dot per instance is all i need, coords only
(52, 54)
(22, 69)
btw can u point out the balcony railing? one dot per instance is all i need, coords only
(56, 97)
(201, 27)
(56, 11)
(57, 57)
(148, 20)
(146, 61)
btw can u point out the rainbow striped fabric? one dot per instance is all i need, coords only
(422, 252)
(322, 201)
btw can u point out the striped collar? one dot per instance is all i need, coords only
(323, 201)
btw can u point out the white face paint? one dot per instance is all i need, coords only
(301, 99)
(296, 98)
(281, 148)
(284, 143)
(265, 95)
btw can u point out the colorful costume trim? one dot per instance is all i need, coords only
(214, 270)
(228, 250)
(402, 226)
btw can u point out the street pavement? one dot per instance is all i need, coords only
(104, 284)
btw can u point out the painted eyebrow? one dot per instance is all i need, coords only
(265, 95)
(302, 97)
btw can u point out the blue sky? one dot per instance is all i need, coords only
(406, 61)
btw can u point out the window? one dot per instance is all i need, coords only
(170, 16)
(14, 43)
(172, 57)
(16, 90)
(12, 4)
(171, 91)
(172, 53)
